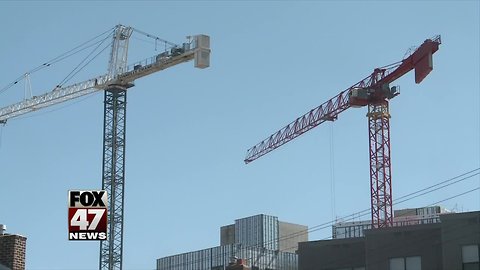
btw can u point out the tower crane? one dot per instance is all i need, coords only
(114, 84)
(375, 92)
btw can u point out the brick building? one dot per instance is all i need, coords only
(12, 251)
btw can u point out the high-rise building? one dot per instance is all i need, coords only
(262, 242)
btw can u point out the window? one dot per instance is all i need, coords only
(470, 257)
(406, 263)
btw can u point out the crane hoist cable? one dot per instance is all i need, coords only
(166, 42)
(69, 104)
(332, 173)
(77, 49)
(79, 67)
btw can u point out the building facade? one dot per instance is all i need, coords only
(12, 250)
(264, 231)
(451, 244)
(264, 242)
(218, 258)
(260, 231)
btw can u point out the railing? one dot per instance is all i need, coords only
(356, 229)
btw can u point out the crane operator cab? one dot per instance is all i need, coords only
(359, 97)
(390, 92)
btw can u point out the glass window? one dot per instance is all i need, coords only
(397, 264)
(407, 263)
(413, 263)
(470, 254)
(470, 257)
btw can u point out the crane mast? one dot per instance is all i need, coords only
(114, 84)
(375, 92)
(380, 165)
(113, 169)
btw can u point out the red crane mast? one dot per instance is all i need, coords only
(375, 92)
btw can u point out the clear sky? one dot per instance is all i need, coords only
(188, 129)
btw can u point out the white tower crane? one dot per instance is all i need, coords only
(114, 84)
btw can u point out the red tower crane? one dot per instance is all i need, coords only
(375, 92)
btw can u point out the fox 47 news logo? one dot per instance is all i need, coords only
(87, 215)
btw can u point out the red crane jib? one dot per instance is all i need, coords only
(420, 60)
(373, 89)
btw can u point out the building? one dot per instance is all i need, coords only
(402, 217)
(262, 242)
(12, 250)
(264, 231)
(259, 230)
(451, 244)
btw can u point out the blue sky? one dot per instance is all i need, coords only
(188, 129)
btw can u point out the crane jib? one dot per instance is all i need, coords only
(60, 95)
(375, 88)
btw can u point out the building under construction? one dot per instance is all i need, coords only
(262, 242)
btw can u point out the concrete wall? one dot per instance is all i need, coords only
(458, 230)
(331, 254)
(400, 242)
(290, 235)
(12, 251)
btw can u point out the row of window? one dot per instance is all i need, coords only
(470, 261)
(407, 263)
